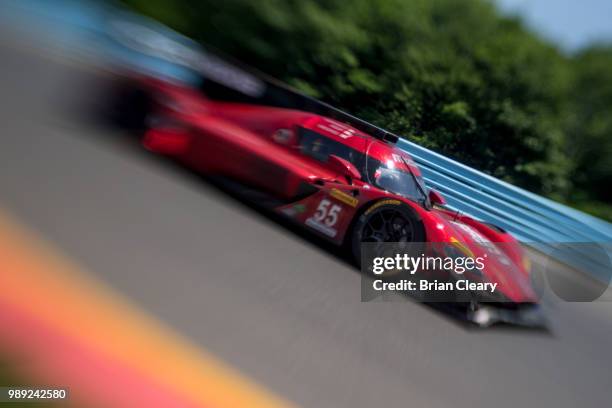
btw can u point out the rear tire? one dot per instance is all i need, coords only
(129, 108)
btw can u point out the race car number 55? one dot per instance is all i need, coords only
(326, 214)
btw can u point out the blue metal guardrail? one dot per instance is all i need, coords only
(536, 221)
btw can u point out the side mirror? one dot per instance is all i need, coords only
(344, 167)
(436, 198)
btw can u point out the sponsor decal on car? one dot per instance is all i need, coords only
(454, 241)
(344, 197)
(325, 218)
(294, 210)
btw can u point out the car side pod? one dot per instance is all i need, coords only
(166, 141)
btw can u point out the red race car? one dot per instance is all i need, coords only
(344, 185)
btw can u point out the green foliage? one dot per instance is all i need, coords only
(452, 75)
(591, 130)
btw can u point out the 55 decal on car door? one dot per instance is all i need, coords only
(325, 217)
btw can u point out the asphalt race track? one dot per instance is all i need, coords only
(270, 302)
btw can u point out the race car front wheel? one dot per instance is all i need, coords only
(386, 222)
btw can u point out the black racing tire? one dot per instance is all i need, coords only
(386, 211)
(129, 108)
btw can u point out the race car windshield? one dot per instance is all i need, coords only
(390, 178)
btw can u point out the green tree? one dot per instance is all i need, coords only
(453, 75)
(591, 130)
